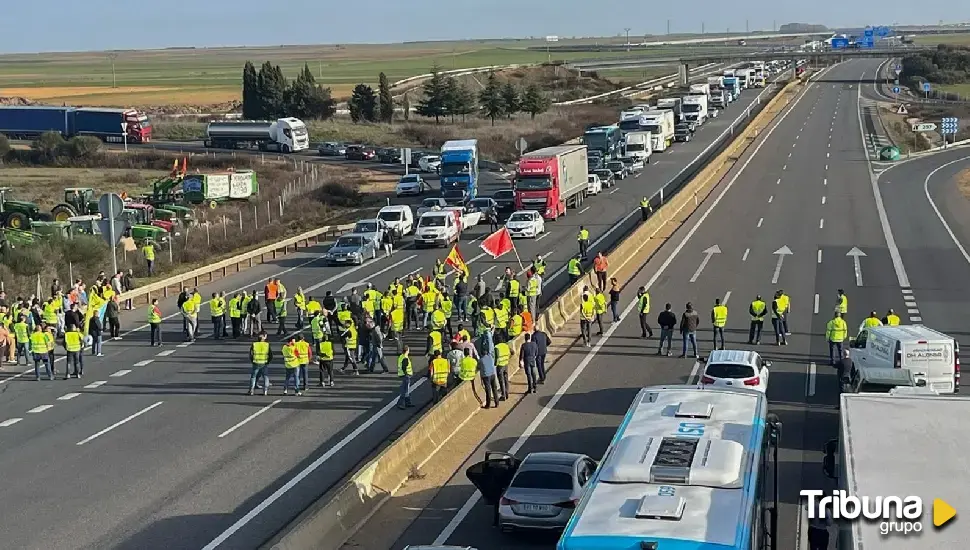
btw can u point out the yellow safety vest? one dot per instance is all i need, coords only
(599, 301)
(38, 343)
(316, 327)
(532, 289)
(404, 367)
(778, 310)
(892, 320)
(588, 310)
(49, 338)
(50, 313)
(299, 300)
(280, 307)
(435, 341)
(326, 350)
(290, 360)
(429, 299)
(502, 317)
(190, 307)
(261, 353)
(502, 354)
(438, 320)
(783, 303)
(234, 311)
(468, 368)
(439, 371)
(844, 304)
(72, 340)
(387, 304)
(399, 301)
(22, 332)
(836, 330)
(149, 251)
(215, 307)
(644, 305)
(759, 308)
(489, 315)
(344, 316)
(464, 335)
(244, 304)
(304, 348)
(397, 319)
(515, 327)
(539, 266)
(573, 268)
(313, 306)
(583, 235)
(720, 316)
(872, 322)
(447, 306)
(368, 307)
(412, 291)
(513, 288)
(351, 337)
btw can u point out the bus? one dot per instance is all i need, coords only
(687, 468)
(605, 139)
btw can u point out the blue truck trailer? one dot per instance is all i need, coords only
(459, 171)
(110, 125)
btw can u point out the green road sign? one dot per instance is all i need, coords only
(889, 153)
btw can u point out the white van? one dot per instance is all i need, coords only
(437, 228)
(399, 218)
(930, 355)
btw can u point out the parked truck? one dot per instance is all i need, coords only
(695, 109)
(459, 171)
(672, 104)
(605, 139)
(206, 188)
(551, 179)
(638, 145)
(660, 124)
(732, 87)
(715, 81)
(285, 135)
(109, 125)
(700, 89)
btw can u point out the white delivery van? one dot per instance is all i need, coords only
(437, 228)
(398, 217)
(931, 356)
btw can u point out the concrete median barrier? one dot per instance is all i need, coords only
(339, 514)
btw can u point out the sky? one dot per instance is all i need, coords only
(86, 25)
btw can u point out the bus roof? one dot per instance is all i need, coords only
(679, 471)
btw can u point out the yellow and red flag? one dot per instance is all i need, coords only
(455, 260)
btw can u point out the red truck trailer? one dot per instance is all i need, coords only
(551, 179)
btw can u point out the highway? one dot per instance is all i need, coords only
(803, 188)
(160, 448)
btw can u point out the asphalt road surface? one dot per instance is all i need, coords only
(803, 188)
(160, 448)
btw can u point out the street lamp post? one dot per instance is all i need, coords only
(114, 79)
(627, 30)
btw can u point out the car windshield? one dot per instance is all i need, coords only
(539, 479)
(431, 158)
(349, 242)
(390, 216)
(504, 195)
(603, 174)
(480, 203)
(431, 221)
(729, 370)
(365, 227)
(430, 203)
(536, 183)
(590, 178)
(627, 160)
(520, 217)
(614, 165)
(409, 179)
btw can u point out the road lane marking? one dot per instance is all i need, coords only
(815, 309)
(830, 144)
(585, 209)
(68, 396)
(617, 189)
(553, 402)
(744, 257)
(819, 256)
(828, 155)
(946, 226)
(121, 422)
(165, 353)
(760, 221)
(915, 319)
(912, 311)
(144, 363)
(40, 409)
(823, 199)
(907, 291)
(347, 287)
(785, 167)
(184, 345)
(475, 259)
(250, 417)
(727, 296)
(810, 380)
(821, 223)
(771, 198)
(778, 182)
(825, 181)
(543, 236)
(295, 480)
(120, 373)
(489, 269)
(94, 385)
(16, 376)
(826, 167)
(789, 154)
(694, 376)
(9, 422)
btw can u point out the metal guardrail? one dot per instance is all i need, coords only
(233, 264)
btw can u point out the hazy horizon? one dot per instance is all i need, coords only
(99, 25)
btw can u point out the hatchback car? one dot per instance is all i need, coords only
(484, 205)
(594, 185)
(389, 155)
(351, 249)
(606, 176)
(619, 169)
(429, 163)
(332, 149)
(525, 223)
(411, 184)
(539, 492)
(505, 199)
(736, 368)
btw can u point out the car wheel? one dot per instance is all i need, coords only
(373, 254)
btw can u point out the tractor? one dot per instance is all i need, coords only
(143, 225)
(16, 214)
(78, 201)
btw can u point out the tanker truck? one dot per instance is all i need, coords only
(286, 135)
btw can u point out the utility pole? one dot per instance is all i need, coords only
(627, 30)
(702, 28)
(668, 26)
(774, 26)
(747, 28)
(114, 80)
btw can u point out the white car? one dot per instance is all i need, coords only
(525, 223)
(429, 164)
(713, 113)
(634, 164)
(594, 185)
(411, 184)
(736, 368)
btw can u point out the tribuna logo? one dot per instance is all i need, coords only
(895, 514)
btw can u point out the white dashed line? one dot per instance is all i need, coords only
(823, 199)
(761, 221)
(771, 198)
(910, 311)
(184, 345)
(828, 155)
(907, 291)
(40, 409)
(250, 417)
(94, 385)
(165, 353)
(778, 182)
(785, 167)
(119, 423)
(68, 396)
(819, 255)
(727, 296)
(744, 257)
(9, 422)
(585, 209)
(826, 167)
(830, 145)
(821, 223)
(120, 373)
(916, 319)
(144, 363)
(789, 155)
(816, 304)
(825, 181)
(796, 137)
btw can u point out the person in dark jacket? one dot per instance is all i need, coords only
(542, 341)
(128, 284)
(73, 318)
(689, 321)
(183, 297)
(111, 314)
(667, 321)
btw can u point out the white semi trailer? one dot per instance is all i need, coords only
(285, 135)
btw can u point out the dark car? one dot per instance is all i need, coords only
(332, 149)
(389, 155)
(416, 156)
(606, 176)
(485, 205)
(593, 163)
(505, 199)
(682, 133)
(618, 169)
(360, 152)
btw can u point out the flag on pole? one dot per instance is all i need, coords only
(498, 243)
(455, 260)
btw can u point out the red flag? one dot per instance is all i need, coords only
(498, 243)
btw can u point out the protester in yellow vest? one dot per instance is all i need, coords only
(260, 355)
(299, 302)
(757, 310)
(306, 352)
(891, 319)
(236, 315)
(73, 344)
(836, 331)
(719, 315)
(587, 312)
(515, 326)
(599, 305)
(291, 362)
(38, 349)
(22, 334)
(325, 360)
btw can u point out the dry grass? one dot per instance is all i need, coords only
(44, 185)
(963, 182)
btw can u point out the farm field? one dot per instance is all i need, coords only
(955, 39)
(46, 185)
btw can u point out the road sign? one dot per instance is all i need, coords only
(898, 72)
(406, 156)
(926, 86)
(924, 127)
(111, 205)
(522, 144)
(112, 226)
(839, 43)
(552, 38)
(902, 110)
(949, 125)
(895, 89)
(109, 228)
(898, 68)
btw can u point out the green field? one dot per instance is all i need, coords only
(956, 39)
(210, 76)
(962, 89)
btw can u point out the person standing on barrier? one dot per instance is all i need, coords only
(645, 209)
(583, 239)
(757, 309)
(600, 267)
(643, 309)
(260, 356)
(503, 355)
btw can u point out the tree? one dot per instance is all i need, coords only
(270, 91)
(250, 93)
(406, 107)
(48, 145)
(4, 147)
(510, 99)
(435, 96)
(386, 99)
(452, 98)
(464, 103)
(534, 102)
(490, 98)
(79, 147)
(363, 104)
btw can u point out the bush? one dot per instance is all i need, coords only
(341, 193)
(80, 147)
(4, 147)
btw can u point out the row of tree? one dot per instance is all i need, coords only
(444, 96)
(266, 94)
(945, 65)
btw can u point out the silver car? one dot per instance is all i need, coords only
(373, 229)
(539, 493)
(351, 249)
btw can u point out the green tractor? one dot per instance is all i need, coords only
(142, 225)
(16, 214)
(78, 201)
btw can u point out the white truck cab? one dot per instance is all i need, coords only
(931, 356)
(437, 228)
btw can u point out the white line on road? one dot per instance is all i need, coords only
(121, 422)
(910, 302)
(744, 257)
(789, 154)
(40, 409)
(489, 269)
(165, 353)
(778, 182)
(695, 372)
(828, 155)
(476, 258)
(946, 226)
(585, 209)
(823, 199)
(907, 291)
(830, 145)
(916, 319)
(760, 221)
(120, 373)
(819, 256)
(825, 181)
(9, 422)
(16, 376)
(815, 309)
(826, 167)
(551, 404)
(144, 363)
(821, 223)
(617, 188)
(476, 239)
(364, 280)
(250, 417)
(68, 396)
(184, 345)
(810, 381)
(295, 480)
(908, 311)
(785, 167)
(543, 236)
(94, 385)
(771, 198)
(727, 296)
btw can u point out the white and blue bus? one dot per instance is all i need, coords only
(687, 469)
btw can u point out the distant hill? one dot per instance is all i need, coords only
(801, 27)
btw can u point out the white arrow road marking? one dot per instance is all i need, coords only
(707, 257)
(781, 253)
(857, 263)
